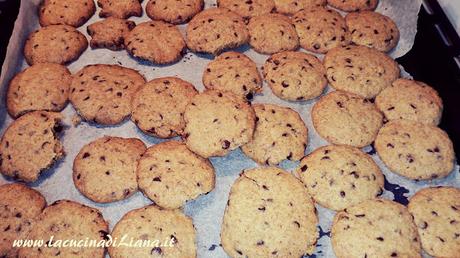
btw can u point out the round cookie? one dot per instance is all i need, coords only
(353, 5)
(248, 9)
(280, 134)
(414, 150)
(345, 118)
(436, 214)
(373, 30)
(59, 44)
(272, 33)
(173, 11)
(122, 9)
(269, 213)
(155, 224)
(215, 30)
(110, 33)
(170, 174)
(339, 176)
(290, 7)
(104, 170)
(375, 228)
(217, 123)
(410, 100)
(234, 72)
(103, 93)
(42, 86)
(360, 70)
(19, 206)
(155, 41)
(158, 107)
(30, 145)
(321, 29)
(295, 76)
(67, 220)
(69, 12)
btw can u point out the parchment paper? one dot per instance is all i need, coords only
(207, 211)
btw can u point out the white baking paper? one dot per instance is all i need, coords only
(207, 211)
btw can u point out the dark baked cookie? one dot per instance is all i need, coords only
(110, 33)
(120, 8)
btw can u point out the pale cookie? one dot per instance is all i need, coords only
(321, 29)
(40, 87)
(280, 134)
(346, 118)
(104, 170)
(30, 145)
(217, 123)
(353, 5)
(410, 100)
(360, 70)
(173, 11)
(19, 207)
(156, 41)
(158, 226)
(373, 30)
(122, 9)
(436, 213)
(295, 76)
(272, 33)
(290, 7)
(59, 44)
(69, 12)
(339, 176)
(170, 174)
(414, 150)
(234, 72)
(269, 214)
(248, 8)
(67, 220)
(375, 228)
(103, 93)
(158, 107)
(110, 33)
(215, 30)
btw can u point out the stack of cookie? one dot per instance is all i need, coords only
(269, 212)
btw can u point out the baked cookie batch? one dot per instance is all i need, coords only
(270, 212)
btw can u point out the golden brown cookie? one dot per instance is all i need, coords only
(104, 170)
(120, 8)
(158, 106)
(173, 11)
(59, 44)
(19, 207)
(215, 30)
(68, 12)
(43, 86)
(248, 8)
(155, 41)
(30, 145)
(234, 72)
(345, 118)
(353, 5)
(103, 93)
(290, 7)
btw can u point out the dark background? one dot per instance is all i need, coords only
(431, 60)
